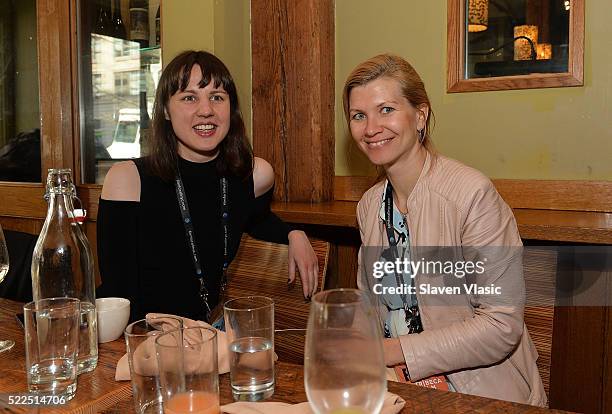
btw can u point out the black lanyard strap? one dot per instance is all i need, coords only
(413, 317)
(191, 237)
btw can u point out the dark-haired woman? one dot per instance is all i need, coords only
(170, 223)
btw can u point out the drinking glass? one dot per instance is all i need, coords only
(344, 369)
(52, 345)
(249, 322)
(140, 341)
(188, 370)
(5, 344)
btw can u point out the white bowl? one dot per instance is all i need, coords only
(113, 315)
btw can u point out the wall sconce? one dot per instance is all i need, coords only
(544, 51)
(522, 47)
(478, 15)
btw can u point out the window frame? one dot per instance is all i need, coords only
(57, 103)
(23, 206)
(455, 53)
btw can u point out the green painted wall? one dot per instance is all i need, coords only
(186, 24)
(218, 26)
(232, 36)
(558, 133)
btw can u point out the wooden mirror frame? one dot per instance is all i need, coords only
(455, 52)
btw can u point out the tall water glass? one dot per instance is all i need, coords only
(344, 370)
(188, 370)
(249, 322)
(5, 344)
(51, 345)
(140, 340)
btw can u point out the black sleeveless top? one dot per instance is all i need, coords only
(142, 248)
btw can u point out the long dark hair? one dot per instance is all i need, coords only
(235, 153)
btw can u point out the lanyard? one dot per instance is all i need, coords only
(413, 317)
(190, 235)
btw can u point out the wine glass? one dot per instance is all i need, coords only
(5, 345)
(344, 369)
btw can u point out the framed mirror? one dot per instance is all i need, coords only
(514, 44)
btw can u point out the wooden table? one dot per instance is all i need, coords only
(98, 391)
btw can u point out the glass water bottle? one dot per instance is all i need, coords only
(62, 263)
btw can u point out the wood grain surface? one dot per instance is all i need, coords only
(561, 195)
(293, 95)
(98, 391)
(290, 389)
(261, 268)
(569, 211)
(551, 225)
(540, 270)
(55, 74)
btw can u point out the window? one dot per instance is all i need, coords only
(124, 48)
(98, 85)
(127, 83)
(119, 61)
(20, 155)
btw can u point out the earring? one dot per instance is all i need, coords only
(421, 135)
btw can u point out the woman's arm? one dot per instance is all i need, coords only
(267, 226)
(263, 177)
(122, 182)
(263, 224)
(495, 327)
(117, 234)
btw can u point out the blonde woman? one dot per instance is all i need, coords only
(474, 343)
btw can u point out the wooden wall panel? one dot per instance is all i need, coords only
(564, 195)
(24, 225)
(557, 194)
(55, 74)
(576, 382)
(607, 377)
(352, 188)
(346, 265)
(90, 232)
(22, 200)
(90, 196)
(293, 95)
(22, 205)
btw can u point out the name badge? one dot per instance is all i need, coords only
(438, 382)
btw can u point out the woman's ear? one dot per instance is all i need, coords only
(422, 113)
(166, 115)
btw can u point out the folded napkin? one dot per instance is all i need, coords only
(392, 404)
(145, 360)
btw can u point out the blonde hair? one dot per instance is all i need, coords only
(393, 67)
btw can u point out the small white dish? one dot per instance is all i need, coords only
(113, 315)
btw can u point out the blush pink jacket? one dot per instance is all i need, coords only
(482, 346)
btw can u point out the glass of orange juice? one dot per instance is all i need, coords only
(188, 371)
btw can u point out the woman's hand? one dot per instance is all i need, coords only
(392, 351)
(303, 256)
